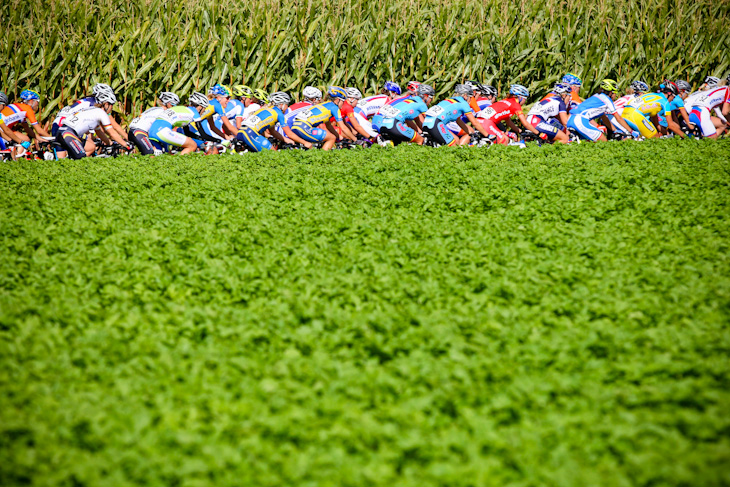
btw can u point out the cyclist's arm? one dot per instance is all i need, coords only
(30, 133)
(673, 126)
(412, 124)
(290, 133)
(619, 119)
(464, 126)
(102, 134)
(527, 124)
(685, 117)
(346, 131)
(202, 135)
(10, 133)
(513, 126)
(720, 115)
(118, 127)
(227, 125)
(475, 123)
(563, 117)
(358, 128)
(275, 134)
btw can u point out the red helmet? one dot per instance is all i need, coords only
(413, 86)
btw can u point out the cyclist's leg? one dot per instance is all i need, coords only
(493, 129)
(253, 141)
(309, 133)
(642, 124)
(71, 144)
(700, 116)
(441, 134)
(141, 139)
(585, 129)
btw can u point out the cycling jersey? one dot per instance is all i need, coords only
(144, 121)
(447, 111)
(17, 113)
(650, 104)
(263, 119)
(294, 110)
(709, 99)
(233, 110)
(406, 109)
(87, 120)
(481, 104)
(675, 104)
(621, 103)
(594, 106)
(346, 110)
(250, 109)
(367, 107)
(378, 117)
(548, 108)
(501, 110)
(182, 116)
(214, 108)
(318, 114)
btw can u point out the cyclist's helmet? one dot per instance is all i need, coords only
(561, 89)
(311, 93)
(519, 90)
(670, 87)
(218, 90)
(29, 95)
(169, 97)
(279, 98)
(639, 87)
(424, 89)
(353, 93)
(106, 98)
(571, 79)
(261, 95)
(101, 88)
(463, 90)
(712, 81)
(683, 85)
(228, 89)
(198, 99)
(608, 85)
(337, 92)
(3, 99)
(412, 86)
(242, 91)
(392, 87)
(490, 90)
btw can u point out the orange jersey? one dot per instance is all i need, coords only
(17, 113)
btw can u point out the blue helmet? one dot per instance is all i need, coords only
(519, 90)
(639, 86)
(391, 86)
(337, 92)
(218, 90)
(561, 89)
(571, 79)
(28, 95)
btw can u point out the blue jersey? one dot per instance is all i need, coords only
(320, 113)
(233, 110)
(264, 119)
(214, 108)
(405, 109)
(447, 111)
(595, 106)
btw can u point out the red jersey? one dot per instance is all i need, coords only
(501, 110)
(346, 110)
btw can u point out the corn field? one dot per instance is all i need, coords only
(141, 47)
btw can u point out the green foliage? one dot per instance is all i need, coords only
(411, 317)
(143, 47)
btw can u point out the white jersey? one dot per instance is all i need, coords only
(621, 103)
(367, 107)
(75, 107)
(87, 120)
(708, 99)
(548, 108)
(148, 117)
(250, 109)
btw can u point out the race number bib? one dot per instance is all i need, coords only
(488, 112)
(434, 111)
(389, 111)
(253, 121)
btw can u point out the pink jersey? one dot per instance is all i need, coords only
(622, 102)
(367, 107)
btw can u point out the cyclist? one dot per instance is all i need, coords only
(637, 88)
(715, 98)
(368, 107)
(310, 96)
(401, 120)
(75, 127)
(6, 134)
(307, 123)
(575, 84)
(165, 130)
(234, 111)
(543, 114)
(484, 96)
(597, 106)
(677, 107)
(139, 127)
(348, 112)
(22, 114)
(503, 111)
(438, 116)
(245, 96)
(98, 90)
(218, 97)
(264, 120)
(412, 88)
(641, 112)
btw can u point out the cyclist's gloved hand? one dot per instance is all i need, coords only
(225, 143)
(26, 145)
(635, 134)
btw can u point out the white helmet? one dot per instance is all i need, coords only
(168, 97)
(712, 81)
(106, 98)
(198, 99)
(310, 92)
(102, 89)
(279, 98)
(353, 93)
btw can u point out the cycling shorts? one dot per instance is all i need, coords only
(543, 127)
(142, 141)
(441, 134)
(399, 132)
(162, 132)
(700, 116)
(253, 141)
(639, 122)
(583, 126)
(307, 132)
(492, 129)
(71, 143)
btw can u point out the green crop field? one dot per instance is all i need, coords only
(405, 317)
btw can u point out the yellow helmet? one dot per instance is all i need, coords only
(609, 85)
